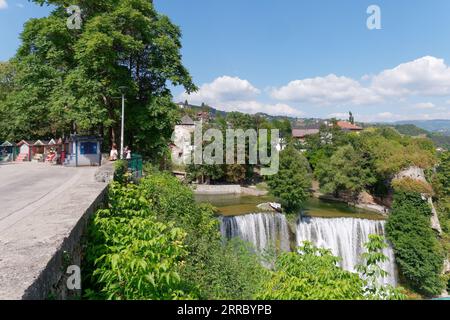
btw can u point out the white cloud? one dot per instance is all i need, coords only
(253, 107)
(326, 91)
(3, 4)
(428, 76)
(234, 94)
(424, 78)
(20, 5)
(223, 89)
(424, 105)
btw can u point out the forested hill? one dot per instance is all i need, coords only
(441, 140)
(441, 126)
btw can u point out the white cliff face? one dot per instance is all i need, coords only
(435, 224)
(417, 173)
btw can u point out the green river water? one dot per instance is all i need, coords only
(232, 205)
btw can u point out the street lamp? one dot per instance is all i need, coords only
(122, 128)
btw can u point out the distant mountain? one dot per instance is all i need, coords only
(216, 112)
(441, 126)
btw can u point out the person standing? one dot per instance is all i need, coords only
(114, 154)
(127, 153)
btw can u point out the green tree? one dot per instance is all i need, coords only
(323, 144)
(443, 174)
(346, 170)
(6, 87)
(6, 79)
(390, 152)
(69, 80)
(285, 127)
(292, 183)
(238, 120)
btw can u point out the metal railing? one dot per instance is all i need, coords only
(135, 165)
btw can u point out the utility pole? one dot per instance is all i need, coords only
(122, 127)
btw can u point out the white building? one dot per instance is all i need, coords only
(182, 141)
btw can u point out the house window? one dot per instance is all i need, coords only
(88, 148)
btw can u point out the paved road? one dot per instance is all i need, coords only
(24, 185)
(40, 205)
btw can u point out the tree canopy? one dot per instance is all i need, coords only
(69, 80)
(346, 170)
(292, 183)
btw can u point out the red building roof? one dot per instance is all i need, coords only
(345, 125)
(301, 133)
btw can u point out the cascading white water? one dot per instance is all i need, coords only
(345, 237)
(263, 230)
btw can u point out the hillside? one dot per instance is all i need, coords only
(440, 126)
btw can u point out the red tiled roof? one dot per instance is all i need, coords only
(348, 126)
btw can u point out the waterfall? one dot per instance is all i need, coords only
(346, 237)
(263, 230)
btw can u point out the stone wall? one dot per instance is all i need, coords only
(227, 189)
(216, 189)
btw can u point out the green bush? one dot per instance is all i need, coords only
(226, 271)
(121, 171)
(412, 186)
(312, 275)
(417, 250)
(210, 270)
(130, 254)
(154, 242)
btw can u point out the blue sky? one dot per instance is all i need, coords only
(304, 58)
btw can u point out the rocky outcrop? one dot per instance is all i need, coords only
(446, 266)
(265, 207)
(415, 173)
(435, 224)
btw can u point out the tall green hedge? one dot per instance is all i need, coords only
(417, 250)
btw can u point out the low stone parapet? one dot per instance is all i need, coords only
(39, 242)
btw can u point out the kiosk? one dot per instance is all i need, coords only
(24, 150)
(8, 151)
(84, 151)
